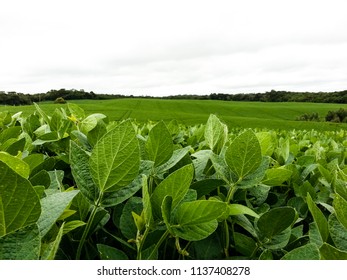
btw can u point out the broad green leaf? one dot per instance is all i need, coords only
(176, 157)
(97, 132)
(127, 224)
(216, 134)
(115, 159)
(159, 146)
(110, 253)
(267, 143)
(208, 249)
(114, 198)
(276, 220)
(91, 122)
(79, 161)
(306, 252)
(276, 176)
(243, 156)
(76, 111)
(22, 244)
(244, 244)
(238, 209)
(329, 252)
(340, 206)
(337, 232)
(52, 208)
(10, 133)
(16, 164)
(197, 219)
(42, 114)
(319, 218)
(175, 185)
(20, 203)
(71, 225)
(278, 241)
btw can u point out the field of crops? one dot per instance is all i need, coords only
(191, 112)
(79, 185)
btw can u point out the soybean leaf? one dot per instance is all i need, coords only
(276, 176)
(22, 244)
(337, 232)
(238, 209)
(208, 249)
(267, 143)
(319, 218)
(52, 208)
(206, 186)
(276, 220)
(16, 164)
(110, 253)
(176, 157)
(197, 219)
(20, 203)
(79, 161)
(329, 252)
(340, 206)
(175, 185)
(115, 159)
(127, 224)
(243, 156)
(159, 147)
(307, 252)
(216, 134)
(244, 244)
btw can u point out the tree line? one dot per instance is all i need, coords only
(15, 98)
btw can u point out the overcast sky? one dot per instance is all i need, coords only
(158, 47)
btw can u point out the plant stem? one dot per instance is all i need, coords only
(142, 241)
(87, 228)
(226, 238)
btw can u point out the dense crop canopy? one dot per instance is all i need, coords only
(74, 186)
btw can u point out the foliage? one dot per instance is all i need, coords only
(313, 117)
(338, 116)
(78, 186)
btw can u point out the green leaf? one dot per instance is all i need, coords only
(166, 211)
(76, 110)
(110, 253)
(115, 159)
(16, 164)
(176, 157)
(243, 156)
(71, 225)
(159, 145)
(329, 252)
(267, 143)
(42, 114)
(20, 203)
(147, 206)
(238, 209)
(22, 244)
(206, 186)
(306, 252)
(52, 208)
(244, 244)
(209, 248)
(197, 219)
(216, 134)
(276, 176)
(79, 161)
(340, 206)
(175, 185)
(319, 218)
(337, 232)
(276, 220)
(91, 122)
(127, 224)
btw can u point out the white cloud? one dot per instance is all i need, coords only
(173, 47)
